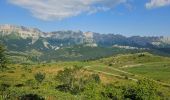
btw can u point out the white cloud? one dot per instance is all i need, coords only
(61, 9)
(157, 3)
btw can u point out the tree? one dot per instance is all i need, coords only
(72, 80)
(75, 79)
(111, 92)
(39, 77)
(3, 59)
(147, 90)
(144, 90)
(93, 91)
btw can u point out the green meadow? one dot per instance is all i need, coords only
(134, 76)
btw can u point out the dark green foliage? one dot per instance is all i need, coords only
(77, 53)
(31, 97)
(112, 92)
(141, 55)
(4, 87)
(4, 90)
(74, 80)
(93, 91)
(3, 60)
(39, 77)
(19, 85)
(110, 64)
(30, 82)
(96, 78)
(70, 80)
(143, 90)
(22, 48)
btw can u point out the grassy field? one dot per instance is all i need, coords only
(159, 71)
(131, 65)
(121, 69)
(21, 79)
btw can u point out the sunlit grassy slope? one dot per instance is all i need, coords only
(143, 64)
(120, 69)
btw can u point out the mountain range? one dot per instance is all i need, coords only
(24, 39)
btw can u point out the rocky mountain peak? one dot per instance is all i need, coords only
(22, 31)
(165, 40)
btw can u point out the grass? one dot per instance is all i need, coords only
(154, 67)
(159, 71)
(131, 59)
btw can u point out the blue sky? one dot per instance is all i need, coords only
(127, 17)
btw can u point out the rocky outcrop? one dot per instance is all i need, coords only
(22, 31)
(166, 40)
(67, 38)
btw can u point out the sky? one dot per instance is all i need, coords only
(126, 17)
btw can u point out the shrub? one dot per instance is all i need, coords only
(30, 82)
(4, 86)
(23, 75)
(19, 85)
(31, 97)
(3, 60)
(96, 78)
(110, 64)
(93, 91)
(143, 90)
(11, 71)
(74, 80)
(141, 55)
(4, 90)
(39, 77)
(70, 80)
(110, 92)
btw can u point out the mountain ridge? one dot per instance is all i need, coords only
(35, 33)
(75, 45)
(79, 37)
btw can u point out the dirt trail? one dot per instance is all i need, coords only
(129, 66)
(133, 79)
(113, 74)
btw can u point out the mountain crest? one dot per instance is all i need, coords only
(22, 31)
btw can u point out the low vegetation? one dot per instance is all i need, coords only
(3, 59)
(114, 78)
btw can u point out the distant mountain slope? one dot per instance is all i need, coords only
(24, 39)
(78, 37)
(132, 59)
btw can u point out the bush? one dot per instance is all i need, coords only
(71, 79)
(19, 85)
(141, 55)
(143, 90)
(93, 91)
(3, 60)
(74, 80)
(4, 90)
(31, 97)
(110, 64)
(4, 87)
(30, 82)
(11, 71)
(96, 78)
(110, 92)
(39, 77)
